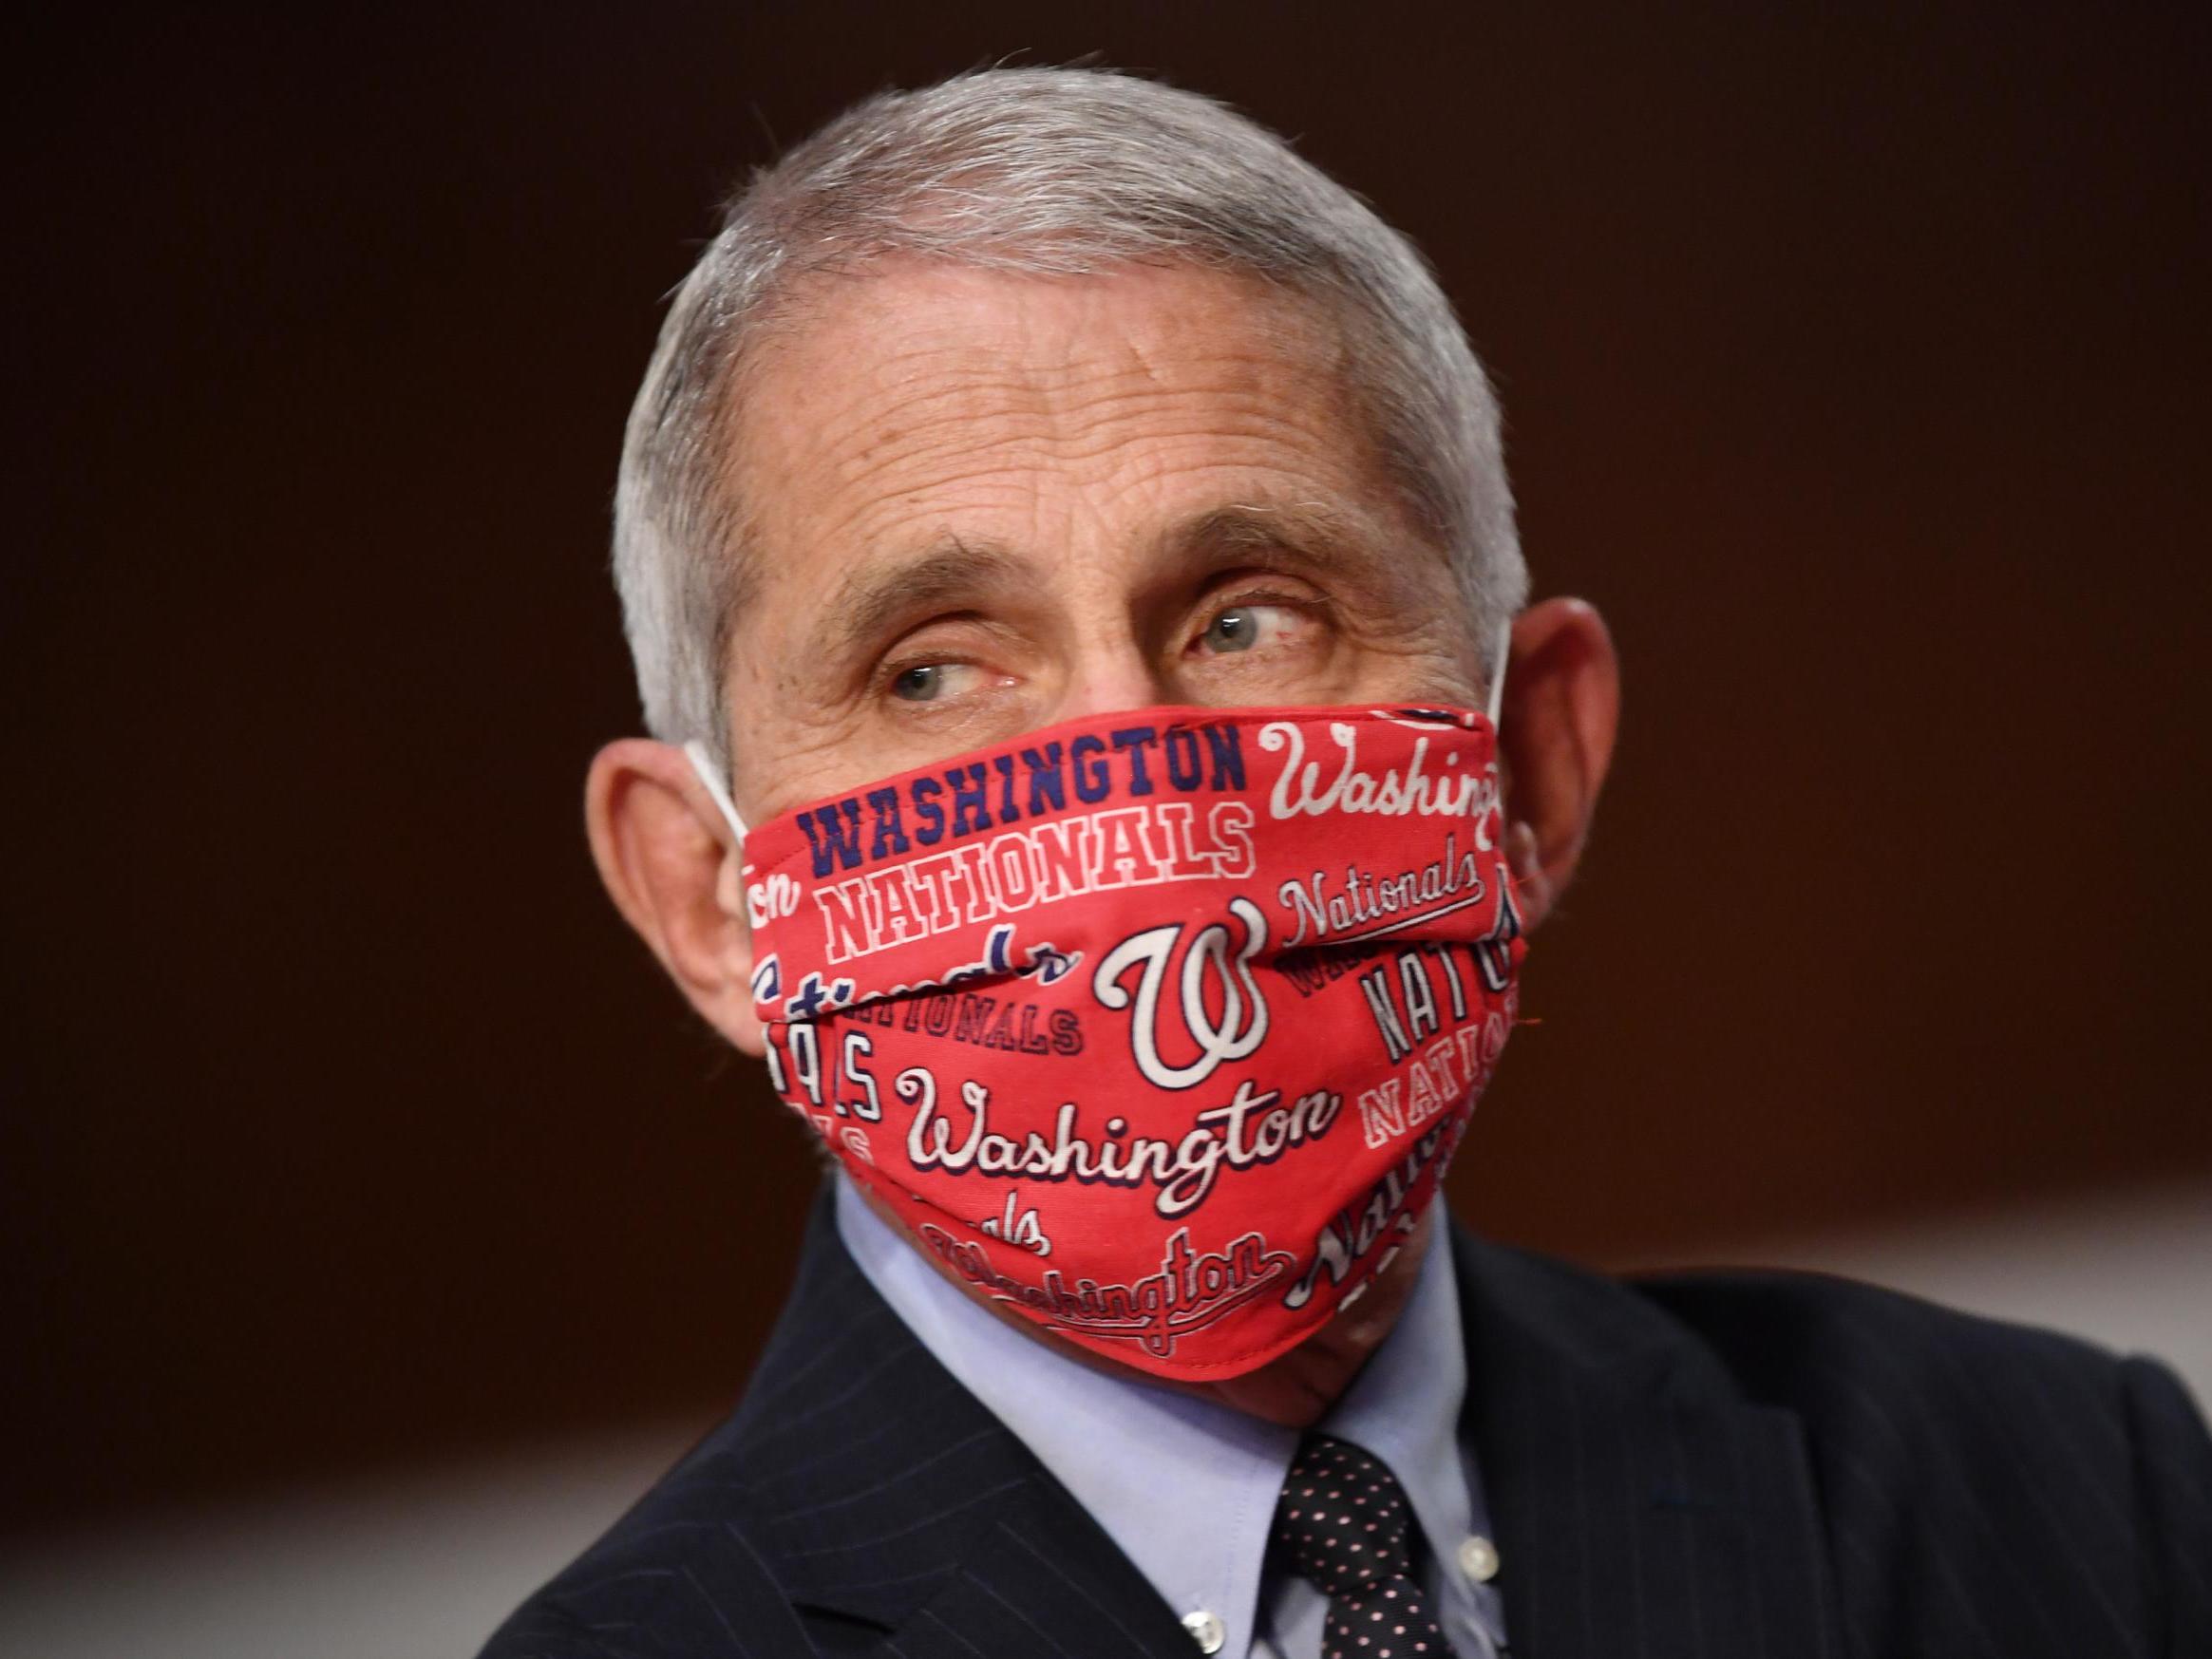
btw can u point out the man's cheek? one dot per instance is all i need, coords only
(1422, 668)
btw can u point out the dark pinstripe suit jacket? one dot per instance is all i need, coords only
(1758, 1467)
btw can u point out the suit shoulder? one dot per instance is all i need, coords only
(1786, 1335)
(1817, 1344)
(1937, 1435)
(679, 1574)
(1946, 1394)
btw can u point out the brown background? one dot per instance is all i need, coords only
(1856, 366)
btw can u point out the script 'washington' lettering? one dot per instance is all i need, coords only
(1301, 788)
(1249, 1130)
(1191, 1289)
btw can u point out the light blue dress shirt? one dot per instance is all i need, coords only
(1187, 1487)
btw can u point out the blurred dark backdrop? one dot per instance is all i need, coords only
(1854, 365)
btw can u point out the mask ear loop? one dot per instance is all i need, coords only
(710, 779)
(1505, 649)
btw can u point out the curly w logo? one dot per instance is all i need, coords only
(1209, 975)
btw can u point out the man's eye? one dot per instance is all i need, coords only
(1243, 626)
(928, 682)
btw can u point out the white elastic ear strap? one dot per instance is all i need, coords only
(1498, 673)
(711, 776)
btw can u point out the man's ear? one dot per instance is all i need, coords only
(673, 869)
(1562, 704)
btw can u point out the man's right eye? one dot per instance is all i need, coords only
(928, 682)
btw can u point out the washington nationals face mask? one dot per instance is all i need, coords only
(1160, 1026)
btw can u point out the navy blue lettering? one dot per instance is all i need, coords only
(929, 825)
(1494, 949)
(1004, 763)
(1181, 744)
(970, 810)
(1228, 757)
(1132, 741)
(1094, 782)
(1046, 779)
(833, 842)
(889, 837)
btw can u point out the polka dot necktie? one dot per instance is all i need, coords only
(1344, 1524)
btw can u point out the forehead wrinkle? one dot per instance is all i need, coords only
(946, 421)
(1136, 440)
(881, 516)
(931, 387)
(914, 389)
(945, 467)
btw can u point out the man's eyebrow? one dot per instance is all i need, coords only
(880, 592)
(1323, 539)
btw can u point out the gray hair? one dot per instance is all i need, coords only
(1039, 171)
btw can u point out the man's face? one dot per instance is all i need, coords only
(978, 504)
(982, 503)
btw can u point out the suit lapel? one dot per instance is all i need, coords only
(890, 1496)
(1046, 1580)
(1641, 1505)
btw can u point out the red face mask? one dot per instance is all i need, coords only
(1157, 1027)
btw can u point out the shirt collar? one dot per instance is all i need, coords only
(1404, 1407)
(1187, 1488)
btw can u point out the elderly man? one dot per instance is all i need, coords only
(1105, 767)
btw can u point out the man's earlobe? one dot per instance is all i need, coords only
(676, 873)
(1562, 706)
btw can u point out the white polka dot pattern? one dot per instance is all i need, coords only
(1343, 1524)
